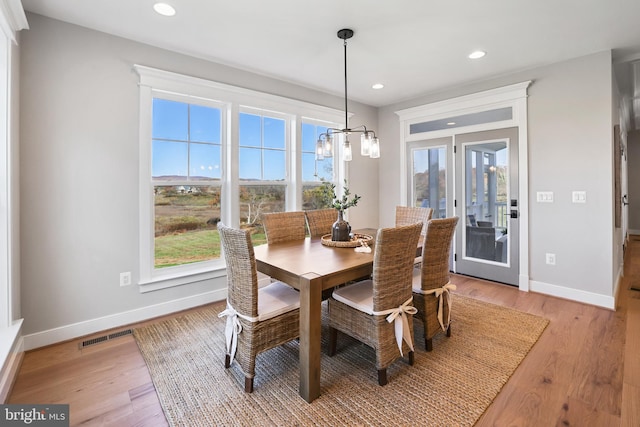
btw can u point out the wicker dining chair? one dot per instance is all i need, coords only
(431, 283)
(363, 309)
(284, 226)
(406, 215)
(320, 221)
(258, 319)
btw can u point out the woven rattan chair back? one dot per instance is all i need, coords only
(391, 282)
(242, 277)
(256, 335)
(321, 221)
(393, 265)
(284, 226)
(435, 252)
(406, 215)
(434, 274)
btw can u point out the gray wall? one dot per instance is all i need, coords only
(633, 159)
(79, 173)
(570, 148)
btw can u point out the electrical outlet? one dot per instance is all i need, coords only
(125, 278)
(551, 259)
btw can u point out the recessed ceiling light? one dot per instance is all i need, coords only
(451, 123)
(477, 54)
(164, 9)
(377, 86)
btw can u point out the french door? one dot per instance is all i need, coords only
(486, 194)
(474, 176)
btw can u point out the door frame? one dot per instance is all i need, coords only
(512, 96)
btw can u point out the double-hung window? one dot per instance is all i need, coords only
(186, 154)
(263, 173)
(211, 152)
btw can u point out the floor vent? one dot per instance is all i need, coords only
(98, 340)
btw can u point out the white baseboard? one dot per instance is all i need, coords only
(11, 358)
(633, 231)
(573, 294)
(68, 332)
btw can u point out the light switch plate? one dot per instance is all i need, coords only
(544, 196)
(579, 197)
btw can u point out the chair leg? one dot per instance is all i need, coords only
(449, 330)
(333, 338)
(412, 358)
(382, 376)
(227, 361)
(428, 343)
(248, 385)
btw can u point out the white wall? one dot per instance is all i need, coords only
(79, 177)
(570, 148)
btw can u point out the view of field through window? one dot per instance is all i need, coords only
(187, 178)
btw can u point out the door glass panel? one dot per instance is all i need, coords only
(486, 195)
(429, 176)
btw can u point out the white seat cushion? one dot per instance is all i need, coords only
(358, 295)
(276, 299)
(416, 286)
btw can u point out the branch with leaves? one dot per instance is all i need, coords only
(341, 204)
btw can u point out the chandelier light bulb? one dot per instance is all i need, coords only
(375, 148)
(365, 143)
(347, 151)
(319, 150)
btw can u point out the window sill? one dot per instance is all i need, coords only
(178, 278)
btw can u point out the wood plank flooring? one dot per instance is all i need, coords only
(584, 370)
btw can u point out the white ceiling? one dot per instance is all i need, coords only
(414, 47)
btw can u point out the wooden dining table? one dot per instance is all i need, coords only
(312, 267)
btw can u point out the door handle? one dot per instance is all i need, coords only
(514, 214)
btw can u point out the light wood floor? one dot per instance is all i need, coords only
(584, 370)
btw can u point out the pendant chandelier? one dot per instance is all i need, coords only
(369, 143)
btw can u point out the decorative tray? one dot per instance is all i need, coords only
(355, 241)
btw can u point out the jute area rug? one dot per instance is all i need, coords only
(450, 386)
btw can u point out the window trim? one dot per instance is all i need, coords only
(234, 100)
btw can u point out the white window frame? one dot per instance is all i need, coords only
(233, 99)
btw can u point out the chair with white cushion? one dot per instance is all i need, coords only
(378, 312)
(258, 319)
(431, 283)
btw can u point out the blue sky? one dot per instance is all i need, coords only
(187, 137)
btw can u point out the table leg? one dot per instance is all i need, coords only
(310, 336)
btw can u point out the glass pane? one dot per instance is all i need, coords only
(308, 167)
(250, 130)
(274, 133)
(430, 180)
(312, 169)
(312, 198)
(256, 200)
(204, 161)
(185, 224)
(169, 160)
(470, 119)
(308, 137)
(170, 120)
(250, 163)
(205, 124)
(486, 197)
(274, 165)
(324, 169)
